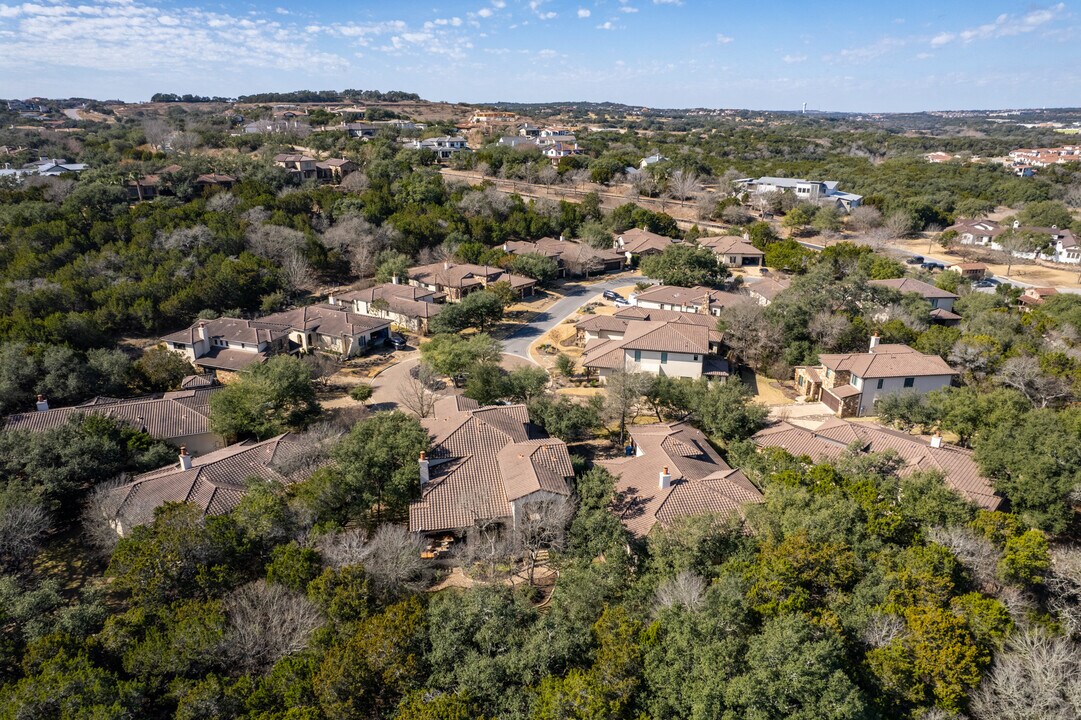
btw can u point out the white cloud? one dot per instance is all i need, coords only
(485, 12)
(499, 4)
(282, 11)
(1005, 25)
(667, 2)
(942, 38)
(550, 15)
(924, 56)
(792, 59)
(628, 9)
(547, 53)
(723, 39)
(584, 13)
(607, 25)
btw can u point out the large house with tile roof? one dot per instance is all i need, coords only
(834, 437)
(486, 465)
(674, 349)
(571, 256)
(734, 251)
(215, 482)
(639, 242)
(232, 344)
(456, 280)
(179, 417)
(614, 327)
(850, 383)
(673, 472)
(410, 306)
(941, 300)
(686, 300)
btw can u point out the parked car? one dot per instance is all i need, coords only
(612, 295)
(985, 283)
(763, 271)
(914, 260)
(932, 266)
(397, 340)
(622, 303)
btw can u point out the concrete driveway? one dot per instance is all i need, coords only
(576, 295)
(387, 385)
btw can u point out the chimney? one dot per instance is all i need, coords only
(185, 459)
(446, 265)
(330, 300)
(395, 280)
(874, 342)
(202, 331)
(560, 237)
(42, 403)
(424, 475)
(665, 479)
(936, 440)
(505, 247)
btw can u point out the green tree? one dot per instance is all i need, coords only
(564, 418)
(826, 219)
(799, 217)
(390, 265)
(1025, 559)
(541, 268)
(377, 462)
(685, 265)
(938, 340)
(161, 369)
(454, 354)
(1046, 213)
(724, 409)
(265, 400)
(293, 566)
(478, 309)
(787, 255)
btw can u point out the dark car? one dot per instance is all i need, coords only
(915, 260)
(932, 266)
(612, 295)
(397, 340)
(984, 283)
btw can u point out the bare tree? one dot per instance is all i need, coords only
(322, 366)
(273, 242)
(99, 517)
(185, 239)
(898, 225)
(222, 202)
(1035, 676)
(156, 132)
(266, 623)
(548, 176)
(22, 523)
(392, 559)
(829, 328)
(726, 183)
(623, 398)
(752, 338)
(684, 185)
(974, 551)
(686, 590)
(865, 217)
(183, 141)
(1024, 373)
(882, 629)
(297, 273)
(487, 546)
(735, 215)
(706, 206)
(541, 525)
(644, 184)
(355, 182)
(578, 178)
(419, 392)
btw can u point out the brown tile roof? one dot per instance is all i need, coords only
(941, 314)
(651, 336)
(701, 481)
(322, 318)
(401, 299)
(167, 416)
(597, 323)
(831, 439)
(483, 459)
(675, 295)
(888, 361)
(672, 316)
(637, 241)
(911, 285)
(466, 275)
(228, 329)
(768, 288)
(215, 483)
(220, 358)
(730, 245)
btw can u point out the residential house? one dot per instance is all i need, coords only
(52, 167)
(214, 483)
(149, 187)
(639, 242)
(214, 180)
(614, 327)
(493, 118)
(571, 256)
(651, 160)
(456, 280)
(941, 300)
(1035, 296)
(555, 151)
(765, 289)
(180, 417)
(834, 437)
(734, 251)
(674, 349)
(1063, 247)
(280, 126)
(529, 130)
(408, 306)
(672, 472)
(486, 465)
(231, 344)
(518, 142)
(334, 170)
(444, 147)
(300, 166)
(688, 300)
(818, 192)
(850, 383)
(1044, 157)
(360, 130)
(969, 271)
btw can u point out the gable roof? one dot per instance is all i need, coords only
(482, 460)
(650, 336)
(168, 416)
(228, 329)
(701, 481)
(466, 275)
(912, 285)
(886, 361)
(215, 483)
(637, 241)
(326, 319)
(730, 245)
(834, 436)
(408, 300)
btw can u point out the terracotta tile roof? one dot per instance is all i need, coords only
(401, 299)
(230, 330)
(834, 436)
(675, 295)
(215, 483)
(672, 316)
(466, 275)
(941, 314)
(322, 318)
(597, 323)
(167, 416)
(482, 460)
(911, 285)
(888, 361)
(701, 481)
(637, 241)
(650, 336)
(768, 288)
(730, 245)
(220, 358)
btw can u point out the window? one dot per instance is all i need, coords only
(638, 356)
(664, 358)
(880, 381)
(854, 381)
(910, 382)
(696, 358)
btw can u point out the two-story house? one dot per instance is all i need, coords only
(406, 305)
(687, 300)
(571, 256)
(817, 192)
(674, 349)
(444, 147)
(850, 383)
(301, 166)
(639, 242)
(614, 327)
(1063, 247)
(941, 300)
(456, 280)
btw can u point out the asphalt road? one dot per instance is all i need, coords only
(576, 295)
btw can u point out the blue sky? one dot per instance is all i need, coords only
(874, 56)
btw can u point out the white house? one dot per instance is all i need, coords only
(985, 233)
(818, 192)
(674, 349)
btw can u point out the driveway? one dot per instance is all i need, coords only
(387, 385)
(576, 295)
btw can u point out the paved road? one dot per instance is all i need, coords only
(576, 296)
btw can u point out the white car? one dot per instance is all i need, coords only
(621, 303)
